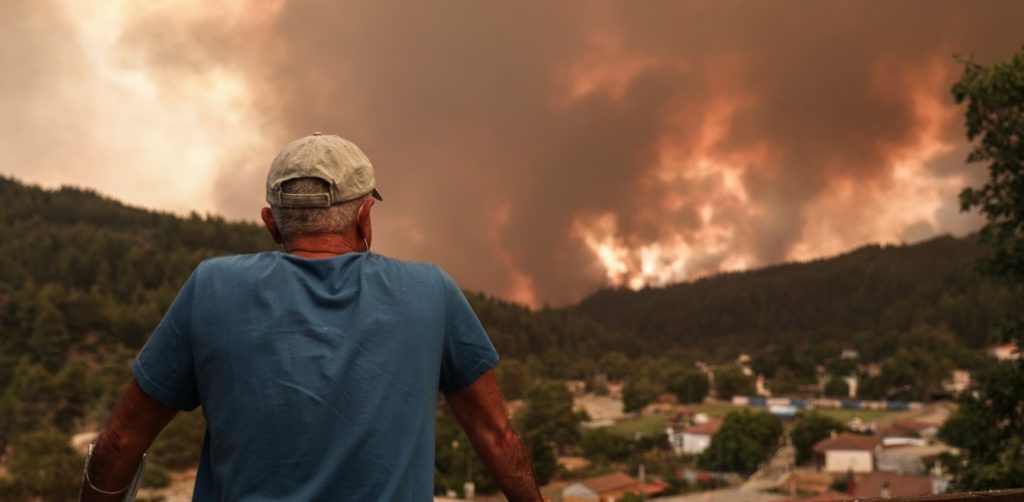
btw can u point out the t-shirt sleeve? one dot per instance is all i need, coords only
(165, 368)
(468, 352)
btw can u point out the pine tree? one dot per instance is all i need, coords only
(29, 402)
(50, 338)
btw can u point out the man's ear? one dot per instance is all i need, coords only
(364, 228)
(268, 220)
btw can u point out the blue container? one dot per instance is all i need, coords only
(850, 404)
(758, 401)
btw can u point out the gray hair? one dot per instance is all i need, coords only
(336, 219)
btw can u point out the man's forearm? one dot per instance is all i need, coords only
(508, 461)
(110, 468)
(481, 411)
(136, 421)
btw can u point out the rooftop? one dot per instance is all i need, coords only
(608, 482)
(708, 428)
(847, 441)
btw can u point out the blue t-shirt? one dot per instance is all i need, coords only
(318, 377)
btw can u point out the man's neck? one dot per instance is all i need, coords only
(321, 245)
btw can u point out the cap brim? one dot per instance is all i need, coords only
(376, 195)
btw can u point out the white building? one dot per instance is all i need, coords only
(958, 381)
(694, 439)
(697, 437)
(1004, 352)
(847, 452)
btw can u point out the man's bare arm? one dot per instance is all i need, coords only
(137, 420)
(480, 410)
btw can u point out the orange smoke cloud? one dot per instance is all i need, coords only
(539, 152)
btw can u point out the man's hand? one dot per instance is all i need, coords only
(136, 422)
(481, 412)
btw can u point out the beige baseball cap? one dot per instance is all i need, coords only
(336, 160)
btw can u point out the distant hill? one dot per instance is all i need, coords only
(873, 291)
(111, 270)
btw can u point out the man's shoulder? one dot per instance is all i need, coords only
(234, 262)
(424, 270)
(245, 264)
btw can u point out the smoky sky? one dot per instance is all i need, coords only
(536, 150)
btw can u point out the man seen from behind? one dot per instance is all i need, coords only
(318, 367)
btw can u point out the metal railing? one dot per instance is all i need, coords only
(1014, 495)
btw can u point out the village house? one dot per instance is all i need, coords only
(957, 382)
(852, 383)
(610, 488)
(1004, 352)
(907, 429)
(693, 439)
(607, 488)
(910, 459)
(847, 452)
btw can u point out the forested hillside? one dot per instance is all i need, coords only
(872, 291)
(84, 279)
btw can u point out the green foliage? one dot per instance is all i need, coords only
(690, 386)
(916, 363)
(632, 497)
(178, 445)
(155, 476)
(616, 365)
(49, 339)
(784, 383)
(547, 414)
(731, 381)
(82, 278)
(995, 123)
(454, 458)
(746, 439)
(597, 387)
(545, 459)
(546, 422)
(988, 427)
(513, 378)
(43, 465)
(837, 388)
(637, 393)
(860, 299)
(603, 446)
(913, 374)
(550, 342)
(840, 483)
(810, 429)
(29, 401)
(872, 387)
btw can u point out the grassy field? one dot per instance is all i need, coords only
(654, 424)
(644, 425)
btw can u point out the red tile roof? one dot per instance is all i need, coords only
(847, 441)
(905, 427)
(614, 481)
(708, 428)
(655, 487)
